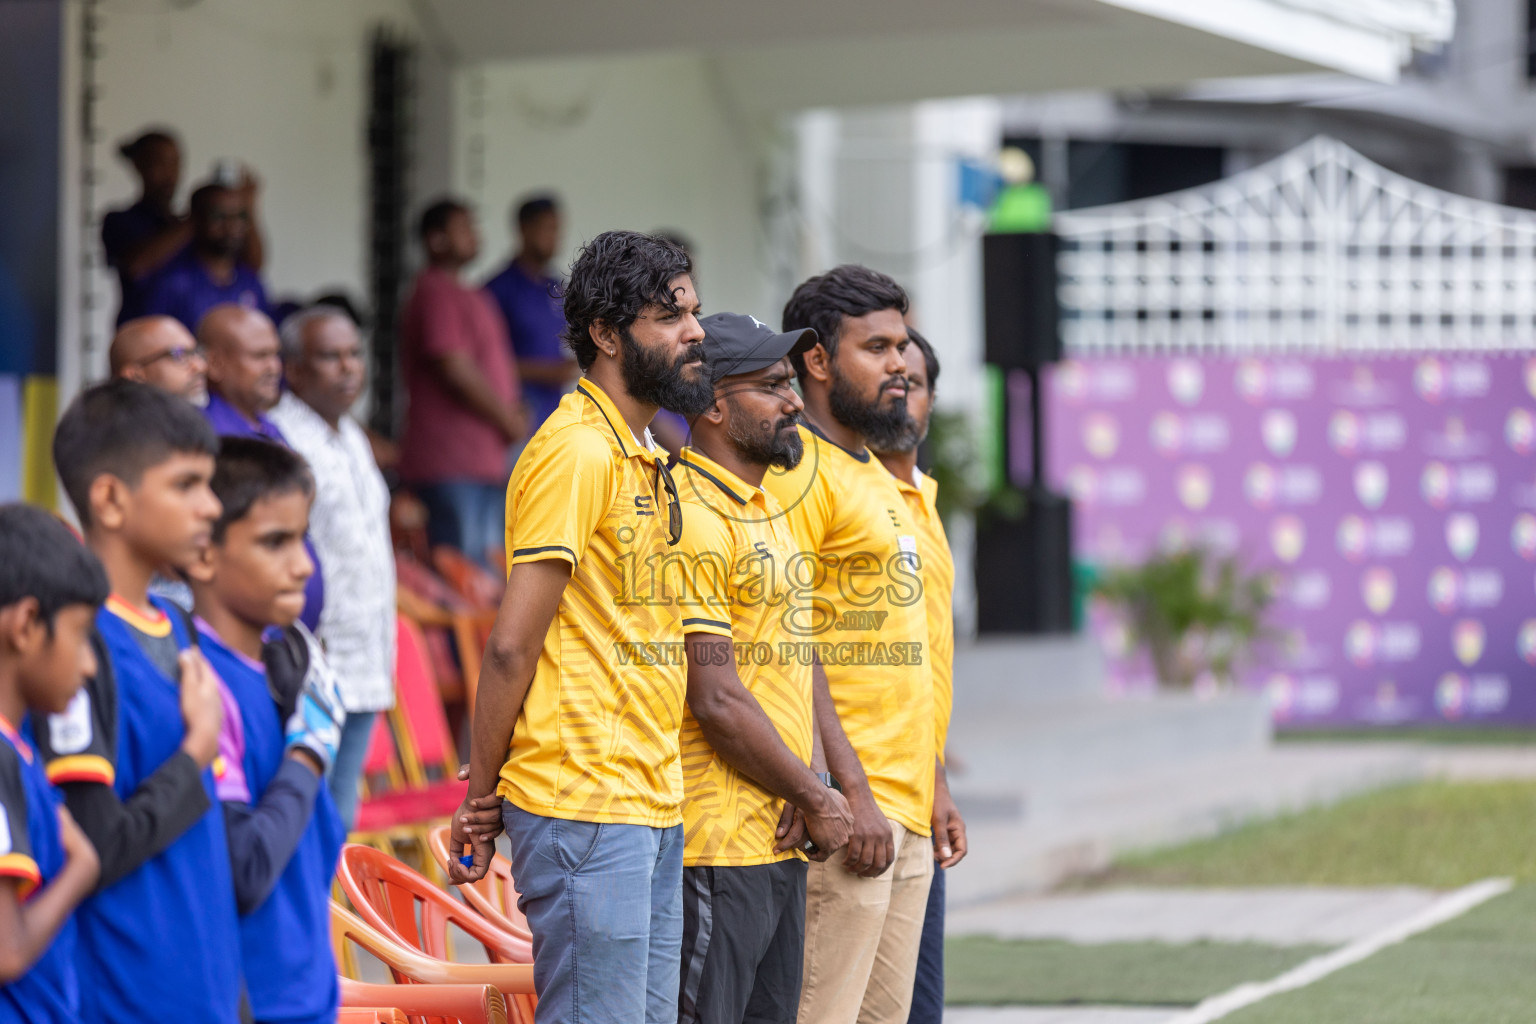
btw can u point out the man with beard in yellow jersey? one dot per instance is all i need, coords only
(868, 634)
(899, 455)
(579, 738)
(749, 736)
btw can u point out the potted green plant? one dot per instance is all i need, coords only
(1196, 612)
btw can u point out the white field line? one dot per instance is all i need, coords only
(1449, 906)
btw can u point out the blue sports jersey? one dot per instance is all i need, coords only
(290, 970)
(32, 850)
(162, 943)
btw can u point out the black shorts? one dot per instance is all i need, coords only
(743, 942)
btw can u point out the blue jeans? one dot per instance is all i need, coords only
(928, 987)
(466, 514)
(605, 905)
(347, 769)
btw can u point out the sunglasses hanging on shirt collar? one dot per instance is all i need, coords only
(674, 504)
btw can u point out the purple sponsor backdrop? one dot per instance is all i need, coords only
(1396, 496)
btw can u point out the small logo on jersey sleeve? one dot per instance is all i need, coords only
(5, 832)
(69, 732)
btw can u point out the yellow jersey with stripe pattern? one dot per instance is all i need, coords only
(597, 737)
(867, 624)
(938, 567)
(736, 552)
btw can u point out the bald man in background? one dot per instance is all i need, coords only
(245, 380)
(245, 371)
(160, 352)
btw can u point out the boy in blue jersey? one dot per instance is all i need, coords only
(284, 831)
(50, 588)
(135, 749)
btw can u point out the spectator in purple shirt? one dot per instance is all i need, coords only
(530, 301)
(245, 373)
(210, 271)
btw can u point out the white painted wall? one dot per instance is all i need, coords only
(642, 143)
(280, 85)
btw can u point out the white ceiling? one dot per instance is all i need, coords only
(788, 54)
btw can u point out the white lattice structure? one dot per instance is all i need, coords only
(1317, 251)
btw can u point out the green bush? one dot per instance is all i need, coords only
(1197, 613)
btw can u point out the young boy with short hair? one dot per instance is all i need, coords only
(134, 751)
(282, 732)
(50, 588)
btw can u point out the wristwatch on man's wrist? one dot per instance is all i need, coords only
(830, 781)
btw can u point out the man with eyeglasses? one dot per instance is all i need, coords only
(209, 271)
(160, 352)
(581, 691)
(751, 756)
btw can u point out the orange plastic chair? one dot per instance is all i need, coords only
(455, 633)
(418, 581)
(436, 622)
(472, 582)
(429, 1004)
(421, 726)
(382, 761)
(361, 1015)
(493, 897)
(404, 906)
(471, 631)
(419, 978)
(422, 742)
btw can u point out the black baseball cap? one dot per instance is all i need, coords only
(737, 343)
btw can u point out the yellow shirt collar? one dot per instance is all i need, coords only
(616, 422)
(693, 461)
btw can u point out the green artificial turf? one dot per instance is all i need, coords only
(1450, 735)
(1477, 969)
(984, 971)
(1435, 834)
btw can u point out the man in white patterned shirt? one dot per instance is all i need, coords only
(349, 524)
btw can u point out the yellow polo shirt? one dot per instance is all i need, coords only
(738, 547)
(597, 737)
(858, 562)
(938, 566)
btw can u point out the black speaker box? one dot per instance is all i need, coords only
(1019, 281)
(1024, 569)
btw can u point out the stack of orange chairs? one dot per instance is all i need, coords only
(415, 755)
(404, 920)
(425, 991)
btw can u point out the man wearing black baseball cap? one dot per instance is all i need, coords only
(750, 749)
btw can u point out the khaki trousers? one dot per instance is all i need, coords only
(862, 935)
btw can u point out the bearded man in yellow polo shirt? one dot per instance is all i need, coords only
(750, 749)
(575, 733)
(868, 634)
(899, 455)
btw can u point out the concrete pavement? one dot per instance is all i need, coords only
(1291, 916)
